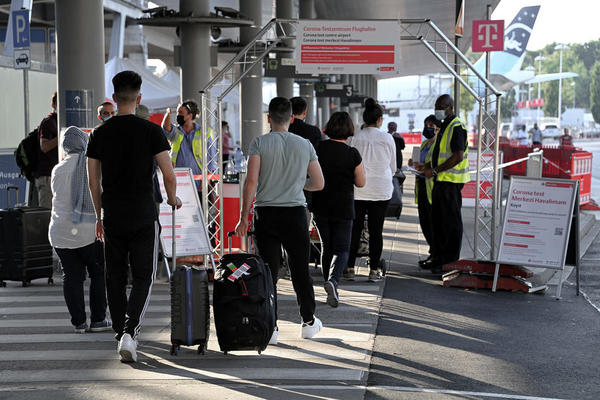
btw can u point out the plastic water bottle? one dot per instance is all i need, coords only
(238, 156)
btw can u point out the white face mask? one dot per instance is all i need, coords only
(440, 115)
(106, 118)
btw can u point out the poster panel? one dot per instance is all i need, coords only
(347, 47)
(470, 189)
(191, 233)
(537, 222)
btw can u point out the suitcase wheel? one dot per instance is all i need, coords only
(26, 283)
(383, 266)
(225, 352)
(174, 349)
(50, 281)
(2, 284)
(202, 349)
(259, 352)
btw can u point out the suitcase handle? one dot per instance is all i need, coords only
(232, 234)
(8, 189)
(173, 242)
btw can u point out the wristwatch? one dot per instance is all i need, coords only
(434, 172)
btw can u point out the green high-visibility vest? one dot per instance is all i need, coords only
(196, 146)
(460, 172)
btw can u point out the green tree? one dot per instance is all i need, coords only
(595, 92)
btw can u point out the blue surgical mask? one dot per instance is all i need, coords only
(106, 118)
(440, 115)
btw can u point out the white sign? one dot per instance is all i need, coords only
(22, 59)
(537, 222)
(347, 47)
(486, 186)
(190, 230)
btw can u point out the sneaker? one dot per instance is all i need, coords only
(332, 294)
(81, 328)
(309, 330)
(127, 346)
(349, 274)
(273, 340)
(100, 326)
(374, 275)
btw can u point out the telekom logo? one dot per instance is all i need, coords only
(488, 35)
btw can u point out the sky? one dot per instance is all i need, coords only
(560, 21)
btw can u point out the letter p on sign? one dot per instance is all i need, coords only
(20, 25)
(488, 35)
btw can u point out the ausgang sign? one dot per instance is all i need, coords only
(347, 47)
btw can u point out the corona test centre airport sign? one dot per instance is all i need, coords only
(347, 47)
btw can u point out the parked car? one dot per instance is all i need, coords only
(551, 131)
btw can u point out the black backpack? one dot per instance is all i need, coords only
(27, 154)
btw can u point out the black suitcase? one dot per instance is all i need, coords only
(190, 313)
(25, 251)
(243, 302)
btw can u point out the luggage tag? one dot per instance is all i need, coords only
(238, 272)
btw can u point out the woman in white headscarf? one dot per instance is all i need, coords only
(72, 234)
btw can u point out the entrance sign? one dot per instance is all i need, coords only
(488, 35)
(192, 236)
(347, 47)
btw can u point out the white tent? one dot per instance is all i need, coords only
(157, 93)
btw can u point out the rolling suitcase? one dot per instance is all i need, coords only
(243, 302)
(25, 251)
(190, 313)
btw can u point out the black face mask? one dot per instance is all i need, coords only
(428, 132)
(180, 119)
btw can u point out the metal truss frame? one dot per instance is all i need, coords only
(271, 38)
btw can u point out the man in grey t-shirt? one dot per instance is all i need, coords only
(277, 169)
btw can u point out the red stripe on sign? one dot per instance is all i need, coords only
(514, 221)
(559, 184)
(347, 58)
(181, 173)
(171, 226)
(337, 47)
(170, 237)
(519, 235)
(516, 245)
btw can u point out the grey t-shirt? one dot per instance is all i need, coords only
(284, 159)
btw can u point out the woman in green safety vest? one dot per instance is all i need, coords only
(423, 186)
(449, 168)
(186, 140)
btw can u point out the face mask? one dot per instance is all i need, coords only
(106, 118)
(428, 132)
(180, 119)
(440, 115)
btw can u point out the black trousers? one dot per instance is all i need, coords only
(287, 226)
(74, 263)
(140, 247)
(446, 221)
(376, 212)
(424, 208)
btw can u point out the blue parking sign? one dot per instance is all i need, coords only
(20, 28)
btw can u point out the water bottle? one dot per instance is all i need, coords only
(237, 159)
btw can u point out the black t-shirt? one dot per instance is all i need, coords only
(400, 145)
(310, 132)
(126, 145)
(458, 142)
(47, 161)
(338, 161)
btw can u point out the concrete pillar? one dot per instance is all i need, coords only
(251, 93)
(285, 86)
(345, 81)
(306, 10)
(307, 91)
(80, 57)
(375, 91)
(323, 111)
(195, 50)
(117, 37)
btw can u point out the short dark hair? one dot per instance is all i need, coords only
(54, 98)
(127, 86)
(299, 105)
(339, 126)
(373, 111)
(280, 110)
(224, 123)
(192, 107)
(431, 118)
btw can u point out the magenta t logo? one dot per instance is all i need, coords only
(488, 35)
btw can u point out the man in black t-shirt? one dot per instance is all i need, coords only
(120, 166)
(301, 128)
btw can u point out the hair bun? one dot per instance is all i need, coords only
(370, 103)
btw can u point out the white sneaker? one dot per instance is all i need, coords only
(273, 340)
(308, 331)
(127, 346)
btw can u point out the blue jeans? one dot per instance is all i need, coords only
(74, 263)
(335, 241)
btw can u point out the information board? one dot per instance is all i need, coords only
(347, 47)
(190, 229)
(537, 222)
(10, 175)
(486, 186)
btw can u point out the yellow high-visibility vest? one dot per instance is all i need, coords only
(196, 145)
(460, 172)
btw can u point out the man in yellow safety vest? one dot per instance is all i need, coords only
(449, 167)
